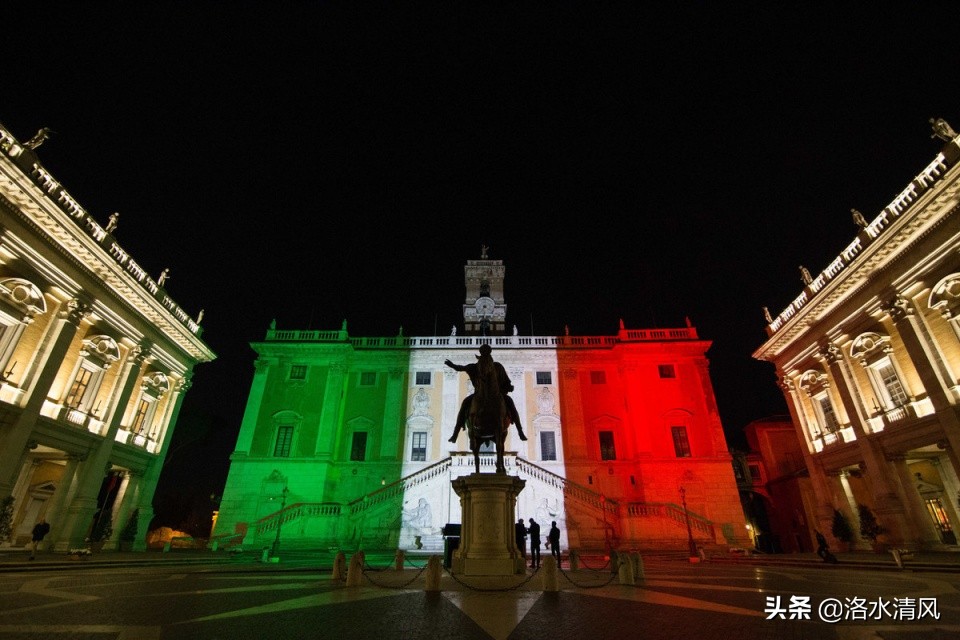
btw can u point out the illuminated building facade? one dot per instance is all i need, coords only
(869, 357)
(356, 431)
(95, 359)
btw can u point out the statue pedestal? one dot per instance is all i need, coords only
(487, 536)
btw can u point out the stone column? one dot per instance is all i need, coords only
(392, 418)
(127, 498)
(148, 485)
(818, 480)
(887, 503)
(929, 367)
(56, 511)
(575, 433)
(926, 359)
(91, 473)
(519, 395)
(921, 531)
(248, 426)
(449, 406)
(330, 413)
(14, 443)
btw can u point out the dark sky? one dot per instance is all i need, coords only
(315, 161)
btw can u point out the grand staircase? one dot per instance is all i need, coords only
(374, 520)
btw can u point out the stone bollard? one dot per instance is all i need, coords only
(398, 559)
(638, 572)
(574, 561)
(355, 572)
(625, 569)
(265, 554)
(551, 577)
(434, 570)
(339, 567)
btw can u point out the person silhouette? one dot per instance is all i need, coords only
(521, 536)
(534, 531)
(553, 541)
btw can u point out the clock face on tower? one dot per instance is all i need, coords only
(484, 306)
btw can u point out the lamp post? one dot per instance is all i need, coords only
(606, 528)
(276, 540)
(694, 556)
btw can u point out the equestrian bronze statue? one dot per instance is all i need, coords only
(488, 411)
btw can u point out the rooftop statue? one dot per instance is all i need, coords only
(858, 219)
(37, 140)
(942, 129)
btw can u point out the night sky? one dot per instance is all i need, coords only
(311, 162)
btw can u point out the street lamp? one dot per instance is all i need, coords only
(276, 541)
(606, 528)
(694, 556)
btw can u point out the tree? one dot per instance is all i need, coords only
(869, 527)
(841, 528)
(103, 527)
(129, 533)
(6, 518)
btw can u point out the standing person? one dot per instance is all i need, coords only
(521, 535)
(553, 541)
(41, 529)
(534, 531)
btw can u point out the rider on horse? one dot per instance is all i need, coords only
(473, 371)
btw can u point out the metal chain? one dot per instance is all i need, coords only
(589, 568)
(586, 586)
(392, 586)
(502, 589)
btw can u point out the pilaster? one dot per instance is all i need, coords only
(14, 444)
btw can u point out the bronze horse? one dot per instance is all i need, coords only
(488, 418)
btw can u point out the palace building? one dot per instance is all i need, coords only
(344, 440)
(95, 359)
(869, 360)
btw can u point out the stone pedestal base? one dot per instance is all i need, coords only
(487, 536)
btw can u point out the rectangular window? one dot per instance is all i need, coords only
(598, 377)
(548, 445)
(423, 377)
(78, 388)
(298, 372)
(284, 441)
(890, 380)
(544, 377)
(681, 446)
(419, 451)
(829, 417)
(141, 415)
(666, 371)
(358, 450)
(755, 472)
(607, 450)
(368, 378)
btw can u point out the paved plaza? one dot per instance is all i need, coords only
(210, 596)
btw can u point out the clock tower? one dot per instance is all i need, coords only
(484, 311)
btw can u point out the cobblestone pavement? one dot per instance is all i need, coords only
(674, 599)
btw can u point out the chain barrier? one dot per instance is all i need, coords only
(392, 586)
(369, 570)
(499, 589)
(586, 586)
(589, 568)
